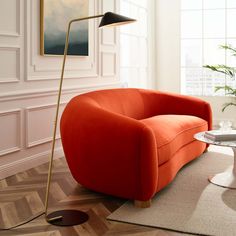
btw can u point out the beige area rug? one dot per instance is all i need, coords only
(190, 204)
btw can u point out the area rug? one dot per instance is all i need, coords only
(190, 204)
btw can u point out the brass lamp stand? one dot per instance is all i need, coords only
(74, 217)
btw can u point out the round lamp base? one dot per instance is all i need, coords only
(67, 217)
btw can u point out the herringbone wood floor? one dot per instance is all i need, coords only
(23, 194)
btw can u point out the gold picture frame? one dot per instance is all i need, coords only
(54, 17)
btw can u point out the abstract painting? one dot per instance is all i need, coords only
(54, 18)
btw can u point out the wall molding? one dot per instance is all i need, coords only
(28, 162)
(17, 49)
(54, 91)
(16, 33)
(104, 39)
(18, 147)
(104, 4)
(29, 143)
(113, 56)
(9, 34)
(37, 78)
(41, 68)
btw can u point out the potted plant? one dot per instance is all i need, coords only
(229, 72)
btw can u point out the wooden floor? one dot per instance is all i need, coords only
(22, 196)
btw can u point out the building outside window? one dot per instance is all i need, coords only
(205, 25)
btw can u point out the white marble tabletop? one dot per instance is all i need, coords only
(200, 137)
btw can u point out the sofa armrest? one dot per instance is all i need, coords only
(186, 105)
(100, 145)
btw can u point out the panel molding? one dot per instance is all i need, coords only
(104, 4)
(17, 49)
(104, 30)
(18, 112)
(9, 34)
(41, 68)
(104, 73)
(32, 93)
(28, 162)
(29, 143)
(104, 41)
(17, 33)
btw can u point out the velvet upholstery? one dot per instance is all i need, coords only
(131, 142)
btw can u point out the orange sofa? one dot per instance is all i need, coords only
(131, 143)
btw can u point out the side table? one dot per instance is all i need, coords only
(225, 179)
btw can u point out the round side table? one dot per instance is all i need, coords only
(225, 179)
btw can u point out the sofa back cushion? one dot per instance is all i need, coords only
(134, 103)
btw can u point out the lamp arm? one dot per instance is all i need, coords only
(86, 18)
(57, 112)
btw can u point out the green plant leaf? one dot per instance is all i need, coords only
(229, 90)
(228, 104)
(230, 48)
(227, 70)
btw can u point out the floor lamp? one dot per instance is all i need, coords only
(74, 217)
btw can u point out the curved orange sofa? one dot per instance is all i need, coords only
(131, 143)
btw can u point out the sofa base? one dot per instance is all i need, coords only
(142, 204)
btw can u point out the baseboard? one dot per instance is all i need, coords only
(28, 163)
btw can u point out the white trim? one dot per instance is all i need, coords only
(28, 163)
(104, 74)
(103, 40)
(16, 33)
(9, 150)
(17, 49)
(54, 91)
(35, 67)
(8, 34)
(18, 146)
(43, 140)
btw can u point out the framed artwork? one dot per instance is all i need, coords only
(54, 18)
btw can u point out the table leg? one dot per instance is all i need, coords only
(226, 179)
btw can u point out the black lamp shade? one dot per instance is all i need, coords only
(112, 19)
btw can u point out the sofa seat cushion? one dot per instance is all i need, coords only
(173, 132)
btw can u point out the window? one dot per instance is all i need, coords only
(134, 44)
(205, 25)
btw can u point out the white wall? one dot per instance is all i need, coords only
(29, 82)
(168, 45)
(168, 57)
